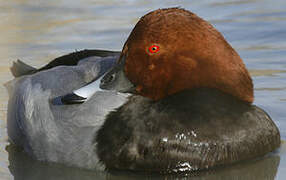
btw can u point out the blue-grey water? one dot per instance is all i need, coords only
(37, 31)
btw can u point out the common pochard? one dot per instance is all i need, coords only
(190, 106)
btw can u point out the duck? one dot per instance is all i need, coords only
(177, 98)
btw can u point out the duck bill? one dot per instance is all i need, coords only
(88, 90)
(82, 94)
(116, 79)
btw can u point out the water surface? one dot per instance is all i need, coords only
(38, 31)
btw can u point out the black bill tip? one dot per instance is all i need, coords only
(72, 99)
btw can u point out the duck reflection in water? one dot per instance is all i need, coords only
(23, 167)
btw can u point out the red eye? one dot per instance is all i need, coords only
(153, 49)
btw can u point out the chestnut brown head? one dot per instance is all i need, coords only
(170, 50)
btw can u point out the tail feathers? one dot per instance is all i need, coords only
(10, 86)
(19, 68)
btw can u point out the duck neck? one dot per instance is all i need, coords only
(203, 97)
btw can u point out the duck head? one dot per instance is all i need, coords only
(171, 50)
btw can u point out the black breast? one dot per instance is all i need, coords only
(188, 131)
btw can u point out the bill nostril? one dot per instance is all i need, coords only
(108, 79)
(111, 78)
